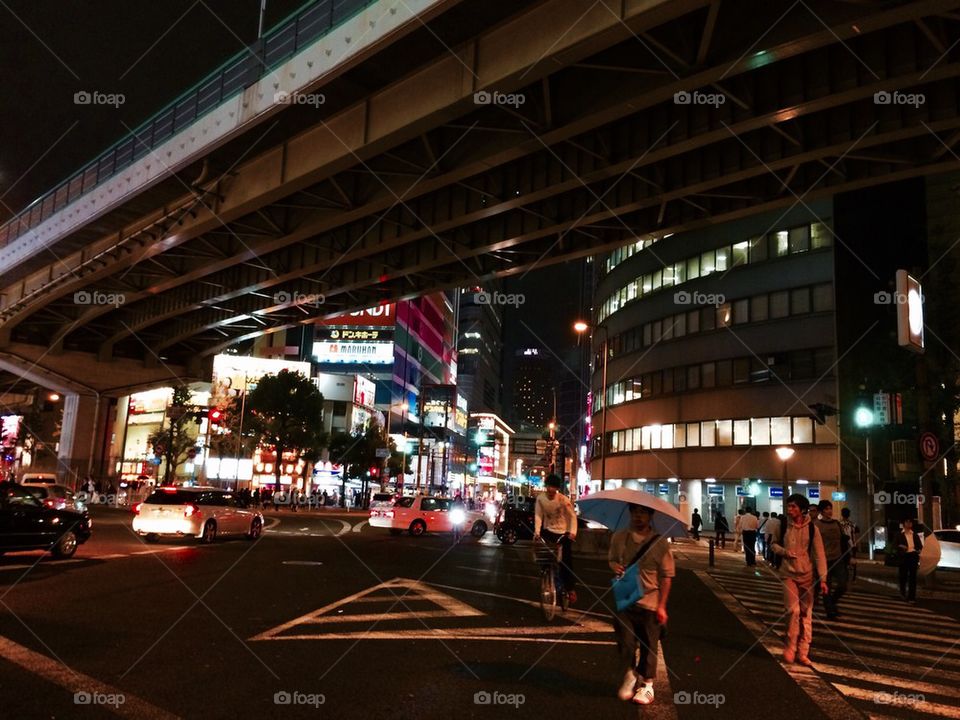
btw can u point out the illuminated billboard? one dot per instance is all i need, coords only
(9, 430)
(377, 316)
(909, 299)
(233, 373)
(368, 353)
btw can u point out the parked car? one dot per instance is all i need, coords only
(38, 478)
(27, 524)
(949, 548)
(201, 512)
(420, 514)
(59, 497)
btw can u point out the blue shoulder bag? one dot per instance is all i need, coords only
(627, 589)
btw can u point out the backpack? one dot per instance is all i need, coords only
(784, 523)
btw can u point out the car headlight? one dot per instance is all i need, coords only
(458, 517)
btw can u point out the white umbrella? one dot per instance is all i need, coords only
(612, 509)
(929, 555)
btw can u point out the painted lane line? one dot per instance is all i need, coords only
(924, 707)
(523, 575)
(271, 523)
(830, 702)
(480, 634)
(302, 562)
(359, 525)
(75, 682)
(906, 669)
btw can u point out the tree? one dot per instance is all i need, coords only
(224, 437)
(173, 443)
(285, 414)
(357, 453)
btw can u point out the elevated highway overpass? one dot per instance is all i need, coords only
(461, 145)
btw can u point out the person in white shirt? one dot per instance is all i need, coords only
(555, 518)
(737, 537)
(748, 528)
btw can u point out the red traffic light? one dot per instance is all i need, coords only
(215, 415)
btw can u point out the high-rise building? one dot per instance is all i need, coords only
(533, 387)
(480, 350)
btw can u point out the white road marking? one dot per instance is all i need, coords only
(271, 523)
(525, 601)
(887, 680)
(359, 525)
(72, 681)
(450, 607)
(302, 562)
(924, 707)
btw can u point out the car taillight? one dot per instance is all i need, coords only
(136, 508)
(388, 513)
(191, 510)
(49, 503)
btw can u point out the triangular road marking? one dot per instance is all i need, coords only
(327, 622)
(400, 592)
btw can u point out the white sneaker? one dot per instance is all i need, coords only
(644, 694)
(629, 685)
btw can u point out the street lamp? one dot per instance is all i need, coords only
(785, 453)
(863, 418)
(581, 327)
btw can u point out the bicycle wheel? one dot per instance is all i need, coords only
(548, 594)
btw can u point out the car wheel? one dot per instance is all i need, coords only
(395, 531)
(479, 529)
(151, 537)
(508, 536)
(209, 532)
(66, 546)
(418, 528)
(256, 527)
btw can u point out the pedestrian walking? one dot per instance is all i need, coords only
(909, 544)
(737, 534)
(696, 522)
(748, 531)
(836, 548)
(721, 528)
(762, 535)
(772, 531)
(640, 627)
(801, 549)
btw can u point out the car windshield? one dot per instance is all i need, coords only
(382, 497)
(19, 496)
(172, 496)
(405, 502)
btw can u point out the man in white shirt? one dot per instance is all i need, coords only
(748, 528)
(555, 518)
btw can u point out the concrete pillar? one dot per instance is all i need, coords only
(78, 437)
(691, 496)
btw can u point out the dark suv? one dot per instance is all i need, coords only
(515, 522)
(27, 524)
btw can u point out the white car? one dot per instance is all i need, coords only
(949, 548)
(420, 513)
(201, 512)
(58, 497)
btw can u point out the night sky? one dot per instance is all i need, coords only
(148, 51)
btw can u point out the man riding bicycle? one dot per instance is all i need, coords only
(555, 518)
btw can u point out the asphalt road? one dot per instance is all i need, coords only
(325, 617)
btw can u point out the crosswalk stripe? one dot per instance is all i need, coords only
(846, 624)
(925, 707)
(924, 688)
(905, 668)
(775, 581)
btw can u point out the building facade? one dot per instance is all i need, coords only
(718, 342)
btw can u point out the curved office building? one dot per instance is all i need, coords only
(719, 339)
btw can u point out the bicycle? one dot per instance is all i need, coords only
(552, 591)
(457, 519)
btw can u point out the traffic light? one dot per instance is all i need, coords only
(863, 416)
(215, 415)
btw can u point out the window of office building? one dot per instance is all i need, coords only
(779, 304)
(708, 262)
(679, 435)
(759, 308)
(822, 297)
(802, 430)
(760, 431)
(741, 370)
(800, 301)
(693, 377)
(708, 375)
(820, 236)
(779, 243)
(758, 249)
(724, 372)
(723, 259)
(693, 434)
(741, 253)
(724, 433)
(780, 431)
(800, 239)
(708, 430)
(741, 311)
(693, 321)
(724, 315)
(741, 432)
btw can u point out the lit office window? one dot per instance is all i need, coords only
(708, 430)
(760, 431)
(802, 430)
(741, 432)
(780, 431)
(724, 433)
(693, 434)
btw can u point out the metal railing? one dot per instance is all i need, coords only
(279, 44)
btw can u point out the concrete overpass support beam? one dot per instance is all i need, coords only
(79, 437)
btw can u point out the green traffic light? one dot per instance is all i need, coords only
(863, 417)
